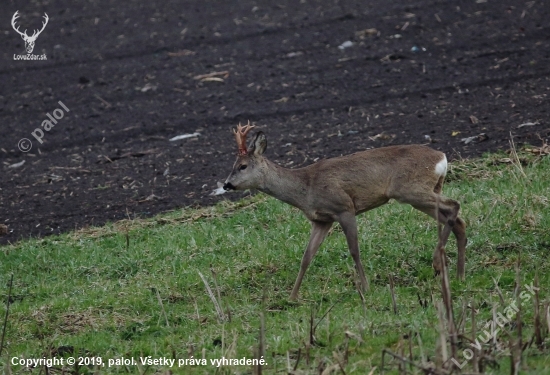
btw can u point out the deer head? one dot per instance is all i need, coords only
(29, 40)
(249, 168)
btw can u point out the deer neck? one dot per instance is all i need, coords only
(285, 184)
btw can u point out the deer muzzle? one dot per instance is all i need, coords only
(228, 186)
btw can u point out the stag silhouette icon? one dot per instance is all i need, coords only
(29, 40)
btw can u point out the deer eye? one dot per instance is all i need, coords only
(243, 167)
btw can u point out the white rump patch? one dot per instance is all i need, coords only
(441, 167)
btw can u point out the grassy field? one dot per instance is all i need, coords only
(133, 289)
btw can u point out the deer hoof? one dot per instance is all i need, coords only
(437, 265)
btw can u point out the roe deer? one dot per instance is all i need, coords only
(340, 188)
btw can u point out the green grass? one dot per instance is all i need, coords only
(91, 293)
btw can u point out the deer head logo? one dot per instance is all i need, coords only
(29, 40)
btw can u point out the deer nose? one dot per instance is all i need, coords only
(228, 186)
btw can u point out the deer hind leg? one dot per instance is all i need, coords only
(447, 214)
(319, 231)
(459, 230)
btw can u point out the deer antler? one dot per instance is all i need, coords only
(35, 34)
(46, 18)
(15, 17)
(240, 136)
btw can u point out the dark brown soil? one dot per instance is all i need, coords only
(134, 75)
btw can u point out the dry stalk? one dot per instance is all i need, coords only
(489, 213)
(162, 307)
(500, 296)
(231, 350)
(339, 362)
(346, 346)
(4, 327)
(289, 369)
(358, 287)
(421, 347)
(402, 365)
(308, 354)
(425, 369)
(326, 313)
(311, 340)
(198, 313)
(538, 325)
(461, 321)
(392, 291)
(517, 345)
(330, 369)
(475, 359)
(215, 277)
(517, 162)
(410, 349)
(442, 355)
(260, 351)
(221, 315)
(298, 357)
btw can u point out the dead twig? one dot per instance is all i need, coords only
(516, 344)
(500, 296)
(325, 314)
(311, 340)
(162, 307)
(214, 76)
(426, 370)
(4, 327)
(475, 362)
(358, 287)
(107, 104)
(261, 338)
(528, 124)
(219, 311)
(340, 364)
(514, 154)
(441, 348)
(298, 357)
(538, 325)
(392, 291)
(215, 277)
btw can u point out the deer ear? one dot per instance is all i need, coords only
(259, 144)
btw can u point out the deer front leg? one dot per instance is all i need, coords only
(349, 225)
(319, 231)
